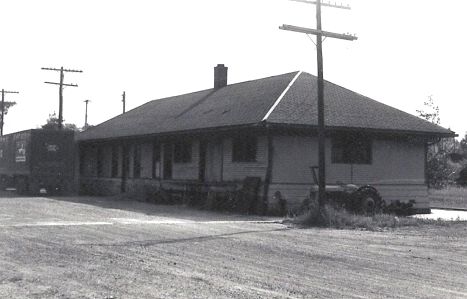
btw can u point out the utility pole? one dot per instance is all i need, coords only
(319, 47)
(3, 109)
(60, 90)
(123, 101)
(86, 114)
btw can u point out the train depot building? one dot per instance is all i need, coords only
(262, 133)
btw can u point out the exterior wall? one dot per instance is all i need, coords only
(107, 163)
(88, 164)
(214, 160)
(397, 169)
(190, 170)
(228, 170)
(146, 160)
(236, 171)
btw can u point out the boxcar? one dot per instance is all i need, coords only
(37, 161)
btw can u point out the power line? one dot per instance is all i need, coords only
(319, 56)
(3, 109)
(60, 90)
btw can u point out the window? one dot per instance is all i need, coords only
(114, 171)
(351, 149)
(182, 152)
(137, 161)
(244, 149)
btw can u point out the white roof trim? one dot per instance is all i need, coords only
(281, 96)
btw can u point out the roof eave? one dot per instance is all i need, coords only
(222, 129)
(367, 130)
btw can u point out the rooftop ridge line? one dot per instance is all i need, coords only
(281, 96)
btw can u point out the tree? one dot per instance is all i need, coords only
(430, 112)
(439, 169)
(6, 106)
(52, 124)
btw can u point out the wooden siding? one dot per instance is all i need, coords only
(214, 160)
(188, 171)
(394, 162)
(397, 169)
(235, 171)
(296, 193)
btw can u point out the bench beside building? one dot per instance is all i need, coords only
(265, 128)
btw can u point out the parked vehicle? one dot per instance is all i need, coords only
(359, 199)
(37, 161)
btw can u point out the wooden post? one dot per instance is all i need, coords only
(60, 90)
(3, 109)
(60, 100)
(124, 101)
(319, 47)
(321, 132)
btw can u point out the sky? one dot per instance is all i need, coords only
(406, 51)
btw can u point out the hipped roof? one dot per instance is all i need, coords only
(289, 99)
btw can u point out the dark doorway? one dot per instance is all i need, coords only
(167, 161)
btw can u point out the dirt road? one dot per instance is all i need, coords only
(101, 248)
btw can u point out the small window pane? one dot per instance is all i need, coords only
(182, 152)
(244, 149)
(351, 149)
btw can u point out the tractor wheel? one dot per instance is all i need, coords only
(369, 201)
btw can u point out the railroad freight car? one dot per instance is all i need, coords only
(37, 161)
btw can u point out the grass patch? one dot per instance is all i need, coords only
(449, 197)
(341, 219)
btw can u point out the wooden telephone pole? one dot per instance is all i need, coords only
(123, 101)
(86, 115)
(3, 109)
(60, 90)
(319, 47)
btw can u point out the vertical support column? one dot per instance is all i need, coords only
(321, 132)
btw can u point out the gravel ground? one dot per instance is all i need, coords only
(86, 247)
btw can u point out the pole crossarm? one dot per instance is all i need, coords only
(63, 84)
(317, 32)
(320, 87)
(59, 70)
(62, 71)
(6, 91)
(327, 4)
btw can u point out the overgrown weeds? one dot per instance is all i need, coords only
(339, 218)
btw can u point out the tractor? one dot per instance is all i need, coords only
(358, 199)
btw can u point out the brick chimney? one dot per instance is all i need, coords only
(220, 76)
